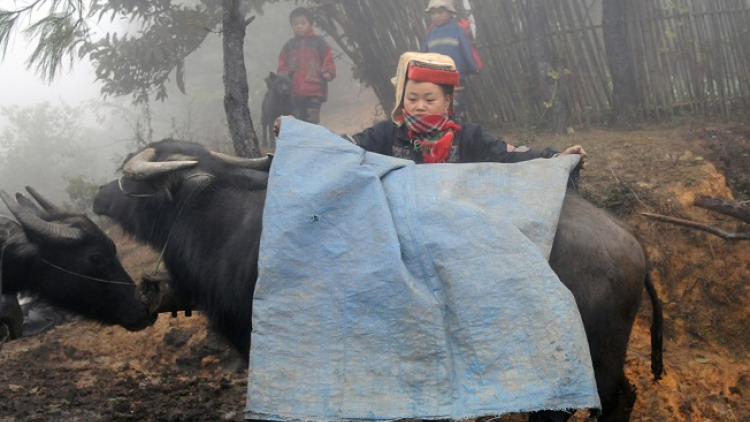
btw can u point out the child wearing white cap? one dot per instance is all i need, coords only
(446, 36)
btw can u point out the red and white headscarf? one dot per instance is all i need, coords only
(424, 67)
(431, 135)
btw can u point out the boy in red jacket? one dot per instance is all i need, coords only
(307, 59)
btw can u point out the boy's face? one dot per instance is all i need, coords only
(300, 25)
(424, 98)
(440, 15)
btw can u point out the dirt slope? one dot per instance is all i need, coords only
(175, 371)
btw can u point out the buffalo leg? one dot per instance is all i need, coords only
(620, 409)
(11, 318)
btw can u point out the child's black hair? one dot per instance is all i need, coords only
(301, 12)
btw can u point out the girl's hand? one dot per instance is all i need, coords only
(577, 149)
(277, 125)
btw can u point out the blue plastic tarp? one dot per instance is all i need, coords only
(390, 290)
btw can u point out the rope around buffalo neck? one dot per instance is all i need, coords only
(133, 195)
(174, 223)
(101, 280)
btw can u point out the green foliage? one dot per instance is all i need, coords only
(58, 34)
(146, 42)
(141, 65)
(81, 191)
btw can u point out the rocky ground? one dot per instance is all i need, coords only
(177, 371)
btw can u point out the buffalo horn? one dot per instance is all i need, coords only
(28, 204)
(44, 230)
(140, 167)
(48, 206)
(260, 164)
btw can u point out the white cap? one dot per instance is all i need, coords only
(447, 4)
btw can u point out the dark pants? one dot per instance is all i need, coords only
(308, 109)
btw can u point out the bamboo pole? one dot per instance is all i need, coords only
(734, 71)
(673, 77)
(723, 80)
(596, 59)
(688, 55)
(650, 59)
(703, 64)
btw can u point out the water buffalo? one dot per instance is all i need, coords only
(203, 210)
(68, 260)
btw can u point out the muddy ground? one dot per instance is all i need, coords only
(176, 371)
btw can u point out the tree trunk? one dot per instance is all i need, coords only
(549, 93)
(243, 134)
(625, 99)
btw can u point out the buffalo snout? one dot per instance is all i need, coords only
(142, 324)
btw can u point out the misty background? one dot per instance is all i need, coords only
(549, 65)
(65, 139)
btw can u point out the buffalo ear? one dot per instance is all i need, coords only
(17, 240)
(26, 249)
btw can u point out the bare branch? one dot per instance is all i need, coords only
(738, 210)
(698, 226)
(628, 188)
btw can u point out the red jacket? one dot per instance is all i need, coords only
(307, 58)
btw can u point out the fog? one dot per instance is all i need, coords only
(21, 89)
(102, 131)
(20, 86)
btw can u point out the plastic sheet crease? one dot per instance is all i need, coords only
(390, 290)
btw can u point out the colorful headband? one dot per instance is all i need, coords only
(423, 72)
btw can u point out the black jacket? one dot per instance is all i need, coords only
(472, 144)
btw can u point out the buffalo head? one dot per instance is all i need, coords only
(68, 260)
(168, 181)
(203, 211)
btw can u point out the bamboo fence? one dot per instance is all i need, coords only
(689, 56)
